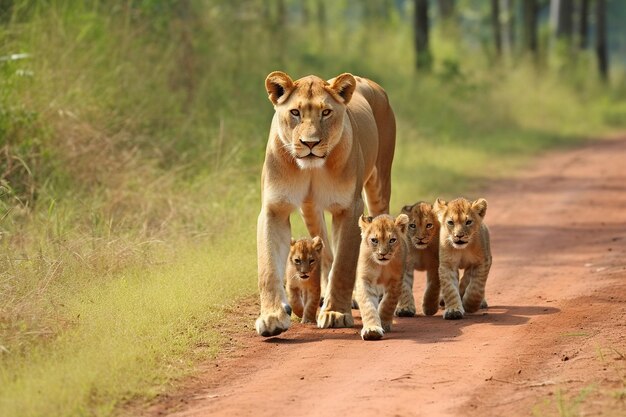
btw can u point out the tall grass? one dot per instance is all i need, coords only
(132, 142)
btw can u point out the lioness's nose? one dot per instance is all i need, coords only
(310, 142)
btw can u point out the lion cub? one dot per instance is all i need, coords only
(423, 239)
(463, 244)
(303, 277)
(381, 263)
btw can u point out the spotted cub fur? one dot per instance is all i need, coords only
(423, 240)
(382, 255)
(303, 277)
(463, 244)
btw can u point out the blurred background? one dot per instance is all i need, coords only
(132, 136)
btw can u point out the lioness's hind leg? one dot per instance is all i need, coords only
(377, 202)
(316, 225)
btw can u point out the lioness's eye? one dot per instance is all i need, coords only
(326, 112)
(412, 225)
(467, 223)
(450, 223)
(295, 112)
(374, 241)
(429, 225)
(296, 261)
(392, 240)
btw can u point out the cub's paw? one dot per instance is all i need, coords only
(386, 326)
(430, 310)
(405, 311)
(275, 323)
(483, 304)
(372, 333)
(453, 314)
(334, 319)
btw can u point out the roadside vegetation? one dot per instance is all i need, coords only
(132, 136)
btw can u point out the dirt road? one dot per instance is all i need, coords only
(554, 334)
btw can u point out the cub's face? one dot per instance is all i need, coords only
(382, 236)
(310, 114)
(460, 220)
(305, 255)
(423, 224)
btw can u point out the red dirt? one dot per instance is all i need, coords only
(555, 331)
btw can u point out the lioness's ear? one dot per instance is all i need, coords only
(278, 85)
(292, 242)
(480, 207)
(343, 85)
(401, 221)
(318, 244)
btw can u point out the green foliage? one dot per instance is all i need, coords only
(131, 145)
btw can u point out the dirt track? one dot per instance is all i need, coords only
(556, 323)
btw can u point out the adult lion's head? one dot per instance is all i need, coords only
(310, 114)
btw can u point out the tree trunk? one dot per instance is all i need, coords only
(497, 27)
(422, 49)
(583, 28)
(601, 43)
(529, 12)
(565, 19)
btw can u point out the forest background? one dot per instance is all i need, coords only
(132, 135)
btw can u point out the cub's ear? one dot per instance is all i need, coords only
(318, 244)
(278, 85)
(439, 208)
(292, 242)
(401, 221)
(480, 207)
(343, 85)
(406, 209)
(364, 221)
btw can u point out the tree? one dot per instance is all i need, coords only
(583, 26)
(422, 48)
(601, 41)
(529, 12)
(564, 12)
(497, 27)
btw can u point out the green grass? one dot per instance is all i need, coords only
(134, 138)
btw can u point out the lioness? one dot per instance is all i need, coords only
(328, 142)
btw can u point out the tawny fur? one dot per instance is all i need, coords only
(463, 244)
(382, 255)
(423, 239)
(329, 141)
(303, 274)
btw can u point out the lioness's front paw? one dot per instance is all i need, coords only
(334, 319)
(372, 333)
(273, 324)
(405, 311)
(453, 314)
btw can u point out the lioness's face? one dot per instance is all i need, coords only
(305, 255)
(382, 236)
(460, 220)
(310, 114)
(423, 224)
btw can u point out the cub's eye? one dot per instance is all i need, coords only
(297, 261)
(311, 262)
(450, 223)
(412, 225)
(374, 240)
(326, 112)
(392, 240)
(295, 112)
(429, 226)
(467, 223)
